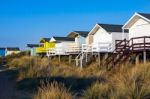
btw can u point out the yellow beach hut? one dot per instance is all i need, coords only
(45, 46)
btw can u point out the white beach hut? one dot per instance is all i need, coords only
(138, 26)
(61, 45)
(103, 36)
(138, 44)
(80, 38)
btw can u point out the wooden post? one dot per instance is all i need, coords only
(144, 57)
(50, 58)
(99, 59)
(106, 55)
(132, 45)
(77, 62)
(81, 60)
(70, 59)
(59, 58)
(81, 63)
(86, 56)
(137, 59)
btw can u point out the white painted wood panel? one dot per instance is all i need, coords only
(62, 47)
(102, 36)
(139, 28)
(79, 40)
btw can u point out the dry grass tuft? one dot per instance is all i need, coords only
(97, 91)
(132, 83)
(30, 67)
(53, 91)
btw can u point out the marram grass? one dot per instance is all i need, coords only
(128, 82)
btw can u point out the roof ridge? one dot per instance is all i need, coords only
(109, 24)
(80, 31)
(61, 36)
(143, 13)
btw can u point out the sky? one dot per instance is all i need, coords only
(26, 21)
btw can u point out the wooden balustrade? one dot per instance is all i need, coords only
(135, 44)
(125, 48)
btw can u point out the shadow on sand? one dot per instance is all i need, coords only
(75, 84)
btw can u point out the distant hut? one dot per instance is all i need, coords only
(45, 45)
(62, 44)
(11, 50)
(33, 49)
(2, 52)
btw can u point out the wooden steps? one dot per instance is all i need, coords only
(83, 59)
(126, 48)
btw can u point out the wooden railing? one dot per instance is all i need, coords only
(124, 48)
(97, 47)
(121, 45)
(74, 49)
(134, 44)
(102, 47)
(51, 52)
(140, 43)
(86, 48)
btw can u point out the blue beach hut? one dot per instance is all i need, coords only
(2, 52)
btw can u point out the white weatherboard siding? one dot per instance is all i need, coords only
(89, 39)
(33, 51)
(105, 38)
(140, 28)
(102, 40)
(79, 40)
(62, 47)
(102, 36)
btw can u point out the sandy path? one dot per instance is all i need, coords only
(7, 85)
(7, 90)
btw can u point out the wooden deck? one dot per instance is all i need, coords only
(126, 48)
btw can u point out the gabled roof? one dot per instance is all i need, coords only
(111, 27)
(33, 45)
(135, 17)
(146, 15)
(63, 38)
(43, 40)
(13, 48)
(81, 33)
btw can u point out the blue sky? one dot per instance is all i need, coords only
(26, 21)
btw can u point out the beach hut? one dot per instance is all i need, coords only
(103, 36)
(2, 52)
(12, 50)
(33, 49)
(138, 44)
(45, 45)
(80, 38)
(138, 25)
(139, 34)
(101, 39)
(61, 45)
